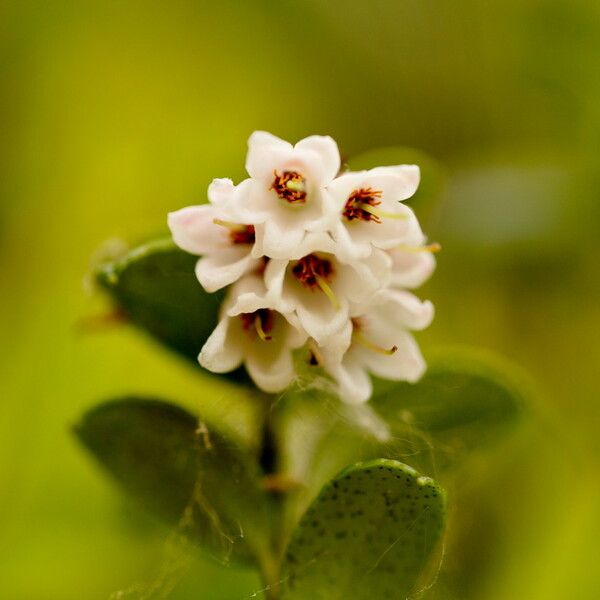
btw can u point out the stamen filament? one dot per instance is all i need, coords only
(229, 224)
(327, 291)
(433, 248)
(259, 329)
(315, 353)
(380, 213)
(367, 343)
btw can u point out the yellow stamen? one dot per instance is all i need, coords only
(433, 248)
(363, 341)
(229, 224)
(327, 291)
(259, 329)
(296, 185)
(381, 214)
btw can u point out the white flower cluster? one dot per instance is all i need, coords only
(314, 258)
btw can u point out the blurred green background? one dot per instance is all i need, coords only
(113, 113)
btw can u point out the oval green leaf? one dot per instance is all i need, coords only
(371, 533)
(178, 470)
(155, 286)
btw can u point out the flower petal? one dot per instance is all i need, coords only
(354, 383)
(248, 295)
(224, 349)
(270, 362)
(219, 270)
(359, 280)
(274, 279)
(318, 317)
(272, 372)
(336, 345)
(410, 176)
(220, 191)
(279, 240)
(406, 364)
(194, 231)
(350, 247)
(327, 154)
(262, 148)
(401, 309)
(411, 269)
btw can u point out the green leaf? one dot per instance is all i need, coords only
(466, 400)
(178, 470)
(156, 288)
(433, 176)
(371, 533)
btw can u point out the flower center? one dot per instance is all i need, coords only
(290, 186)
(313, 272)
(310, 269)
(238, 233)
(360, 205)
(242, 235)
(260, 322)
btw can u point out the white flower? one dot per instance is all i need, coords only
(313, 257)
(320, 289)
(370, 209)
(257, 336)
(286, 190)
(225, 246)
(377, 341)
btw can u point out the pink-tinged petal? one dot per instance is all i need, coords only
(194, 231)
(224, 349)
(326, 152)
(220, 269)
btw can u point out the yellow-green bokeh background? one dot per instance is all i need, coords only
(113, 113)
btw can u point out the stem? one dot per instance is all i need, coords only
(269, 571)
(270, 562)
(268, 451)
